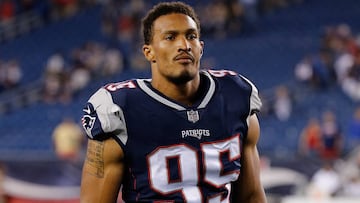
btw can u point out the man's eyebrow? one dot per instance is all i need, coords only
(170, 32)
(190, 30)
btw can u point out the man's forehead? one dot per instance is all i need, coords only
(174, 22)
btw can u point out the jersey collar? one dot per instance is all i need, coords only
(210, 92)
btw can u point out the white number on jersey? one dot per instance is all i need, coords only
(115, 86)
(221, 73)
(188, 168)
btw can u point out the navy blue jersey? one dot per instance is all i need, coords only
(175, 152)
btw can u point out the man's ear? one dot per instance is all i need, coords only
(202, 43)
(148, 53)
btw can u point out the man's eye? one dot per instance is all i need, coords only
(169, 37)
(192, 36)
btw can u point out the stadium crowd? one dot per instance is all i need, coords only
(120, 22)
(336, 63)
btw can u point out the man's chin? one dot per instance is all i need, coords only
(183, 78)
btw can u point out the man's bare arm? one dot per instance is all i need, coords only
(102, 172)
(248, 187)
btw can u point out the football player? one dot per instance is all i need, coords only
(185, 135)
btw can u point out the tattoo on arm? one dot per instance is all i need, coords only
(95, 159)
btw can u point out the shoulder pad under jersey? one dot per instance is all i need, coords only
(102, 118)
(255, 101)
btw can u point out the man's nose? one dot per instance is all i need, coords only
(184, 45)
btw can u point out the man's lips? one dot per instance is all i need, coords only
(184, 57)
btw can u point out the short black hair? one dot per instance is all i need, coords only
(165, 8)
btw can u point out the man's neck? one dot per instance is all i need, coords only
(185, 94)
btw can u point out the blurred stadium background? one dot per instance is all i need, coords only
(302, 54)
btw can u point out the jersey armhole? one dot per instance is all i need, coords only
(120, 143)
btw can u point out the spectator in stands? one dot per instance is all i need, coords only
(113, 62)
(91, 60)
(343, 63)
(7, 11)
(68, 140)
(341, 38)
(351, 173)
(54, 78)
(325, 182)
(80, 76)
(336, 62)
(322, 64)
(351, 83)
(93, 57)
(352, 187)
(343, 46)
(332, 138)
(126, 26)
(56, 63)
(282, 103)
(13, 74)
(137, 8)
(303, 71)
(316, 70)
(89, 56)
(120, 20)
(52, 88)
(354, 129)
(10, 74)
(310, 141)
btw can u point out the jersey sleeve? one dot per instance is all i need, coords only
(102, 118)
(255, 101)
